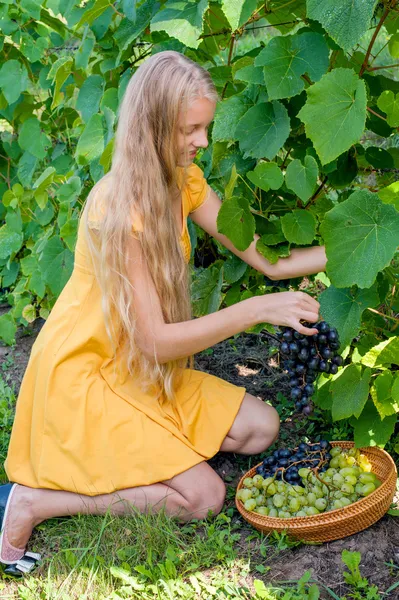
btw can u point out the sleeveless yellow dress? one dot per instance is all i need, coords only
(80, 427)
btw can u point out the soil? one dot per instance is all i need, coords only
(246, 360)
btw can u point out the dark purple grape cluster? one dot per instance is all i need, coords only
(286, 462)
(306, 356)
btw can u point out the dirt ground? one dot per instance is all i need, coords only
(245, 361)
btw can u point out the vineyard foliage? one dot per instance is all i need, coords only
(303, 150)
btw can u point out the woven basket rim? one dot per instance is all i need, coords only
(337, 514)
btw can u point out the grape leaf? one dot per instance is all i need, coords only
(343, 308)
(350, 391)
(266, 175)
(263, 129)
(361, 237)
(13, 80)
(302, 178)
(344, 21)
(299, 226)
(228, 113)
(238, 11)
(181, 20)
(206, 290)
(272, 253)
(389, 103)
(384, 353)
(370, 430)
(381, 393)
(236, 222)
(285, 59)
(390, 194)
(335, 113)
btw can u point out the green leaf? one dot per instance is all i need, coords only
(379, 158)
(263, 129)
(390, 194)
(361, 237)
(228, 113)
(206, 290)
(91, 143)
(370, 430)
(8, 328)
(266, 176)
(13, 80)
(235, 221)
(344, 21)
(384, 353)
(343, 308)
(56, 263)
(90, 95)
(285, 59)
(389, 103)
(181, 19)
(335, 113)
(393, 45)
(272, 253)
(350, 391)
(302, 178)
(32, 139)
(299, 226)
(381, 393)
(238, 11)
(234, 268)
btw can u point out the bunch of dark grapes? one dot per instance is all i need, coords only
(305, 357)
(286, 462)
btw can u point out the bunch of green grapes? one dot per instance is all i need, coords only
(347, 479)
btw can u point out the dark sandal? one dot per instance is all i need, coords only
(18, 561)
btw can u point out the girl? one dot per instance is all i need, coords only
(111, 412)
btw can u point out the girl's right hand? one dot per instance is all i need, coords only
(289, 309)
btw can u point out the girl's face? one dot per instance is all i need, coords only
(193, 129)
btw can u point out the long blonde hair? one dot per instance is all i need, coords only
(144, 178)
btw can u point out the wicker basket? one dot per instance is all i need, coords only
(339, 523)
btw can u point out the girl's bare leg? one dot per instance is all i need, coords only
(189, 495)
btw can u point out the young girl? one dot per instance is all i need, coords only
(110, 411)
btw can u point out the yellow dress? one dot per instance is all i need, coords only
(80, 427)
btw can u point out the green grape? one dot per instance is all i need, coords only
(255, 492)
(311, 510)
(311, 498)
(347, 471)
(266, 482)
(345, 501)
(334, 462)
(347, 488)
(321, 504)
(358, 489)
(294, 505)
(262, 510)
(366, 478)
(338, 479)
(248, 482)
(335, 450)
(250, 504)
(258, 481)
(273, 512)
(352, 479)
(278, 500)
(303, 472)
(271, 489)
(260, 500)
(246, 494)
(330, 472)
(367, 489)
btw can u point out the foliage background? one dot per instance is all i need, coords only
(304, 150)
